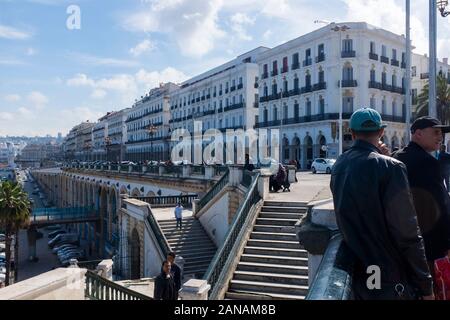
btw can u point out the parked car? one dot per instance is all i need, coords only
(67, 251)
(2, 237)
(2, 270)
(322, 165)
(2, 247)
(56, 249)
(53, 234)
(54, 227)
(63, 239)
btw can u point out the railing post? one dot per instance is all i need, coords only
(161, 170)
(263, 183)
(209, 172)
(187, 170)
(195, 290)
(130, 168)
(236, 174)
(144, 169)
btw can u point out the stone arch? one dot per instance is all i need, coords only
(322, 141)
(135, 255)
(309, 152)
(103, 207)
(123, 190)
(135, 193)
(151, 194)
(296, 149)
(285, 152)
(113, 220)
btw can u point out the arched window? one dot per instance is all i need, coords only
(347, 72)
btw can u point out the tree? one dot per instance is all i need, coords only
(442, 100)
(14, 214)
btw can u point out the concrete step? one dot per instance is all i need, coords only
(183, 231)
(276, 251)
(193, 257)
(189, 251)
(193, 246)
(278, 278)
(274, 244)
(191, 238)
(300, 204)
(273, 268)
(283, 209)
(256, 286)
(174, 224)
(281, 215)
(244, 295)
(280, 260)
(274, 229)
(276, 222)
(285, 236)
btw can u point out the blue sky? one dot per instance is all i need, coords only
(52, 78)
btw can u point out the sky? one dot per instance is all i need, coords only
(56, 73)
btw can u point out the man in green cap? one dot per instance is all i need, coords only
(375, 214)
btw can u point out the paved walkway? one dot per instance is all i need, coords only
(310, 187)
(168, 213)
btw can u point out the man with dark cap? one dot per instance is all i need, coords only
(431, 199)
(375, 214)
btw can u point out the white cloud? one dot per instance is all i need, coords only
(11, 62)
(31, 52)
(37, 99)
(13, 33)
(102, 61)
(238, 23)
(142, 47)
(267, 34)
(12, 97)
(24, 112)
(80, 114)
(98, 94)
(153, 78)
(6, 116)
(192, 23)
(80, 80)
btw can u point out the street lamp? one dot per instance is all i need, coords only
(339, 29)
(151, 131)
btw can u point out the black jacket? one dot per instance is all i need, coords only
(164, 288)
(431, 198)
(444, 162)
(375, 213)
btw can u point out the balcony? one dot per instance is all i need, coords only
(240, 86)
(320, 58)
(209, 112)
(403, 66)
(349, 83)
(192, 101)
(256, 85)
(220, 92)
(348, 54)
(306, 89)
(395, 63)
(307, 62)
(374, 85)
(264, 99)
(295, 65)
(285, 94)
(386, 87)
(208, 96)
(220, 110)
(384, 59)
(255, 105)
(226, 90)
(424, 75)
(197, 100)
(234, 107)
(203, 98)
(284, 69)
(294, 92)
(398, 90)
(274, 73)
(233, 88)
(264, 75)
(373, 56)
(320, 86)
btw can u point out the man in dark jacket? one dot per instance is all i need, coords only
(375, 213)
(175, 270)
(164, 284)
(431, 199)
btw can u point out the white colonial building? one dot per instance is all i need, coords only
(300, 84)
(222, 98)
(148, 125)
(99, 134)
(117, 135)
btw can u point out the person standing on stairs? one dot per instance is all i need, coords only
(165, 284)
(176, 271)
(179, 215)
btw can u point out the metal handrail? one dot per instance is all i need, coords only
(216, 273)
(185, 200)
(99, 288)
(159, 234)
(214, 191)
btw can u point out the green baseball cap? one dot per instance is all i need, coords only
(366, 119)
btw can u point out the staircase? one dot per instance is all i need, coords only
(192, 243)
(273, 264)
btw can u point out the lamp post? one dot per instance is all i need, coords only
(433, 59)
(408, 101)
(340, 29)
(151, 131)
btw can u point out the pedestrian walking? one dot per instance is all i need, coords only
(176, 272)
(431, 199)
(164, 284)
(375, 214)
(179, 215)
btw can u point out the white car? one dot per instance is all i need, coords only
(322, 165)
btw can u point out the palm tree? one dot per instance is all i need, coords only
(442, 100)
(14, 214)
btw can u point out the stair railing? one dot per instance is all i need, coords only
(214, 191)
(159, 234)
(222, 261)
(99, 288)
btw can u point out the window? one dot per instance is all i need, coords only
(285, 111)
(403, 57)
(308, 80)
(265, 69)
(372, 47)
(321, 76)
(383, 78)
(394, 108)
(266, 91)
(372, 75)
(285, 63)
(308, 54)
(241, 120)
(347, 73)
(295, 59)
(383, 106)
(285, 86)
(347, 104)
(413, 71)
(347, 45)
(373, 103)
(275, 113)
(275, 66)
(240, 80)
(296, 83)
(394, 80)
(383, 50)
(274, 89)
(296, 110)
(321, 105)
(394, 54)
(321, 49)
(308, 107)
(265, 115)
(233, 122)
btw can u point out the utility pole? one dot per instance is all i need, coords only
(408, 101)
(433, 59)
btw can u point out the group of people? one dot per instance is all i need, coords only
(168, 283)
(393, 209)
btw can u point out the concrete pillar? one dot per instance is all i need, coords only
(291, 173)
(236, 173)
(263, 184)
(195, 290)
(104, 269)
(130, 168)
(32, 236)
(209, 172)
(161, 170)
(144, 169)
(187, 169)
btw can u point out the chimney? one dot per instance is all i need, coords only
(445, 60)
